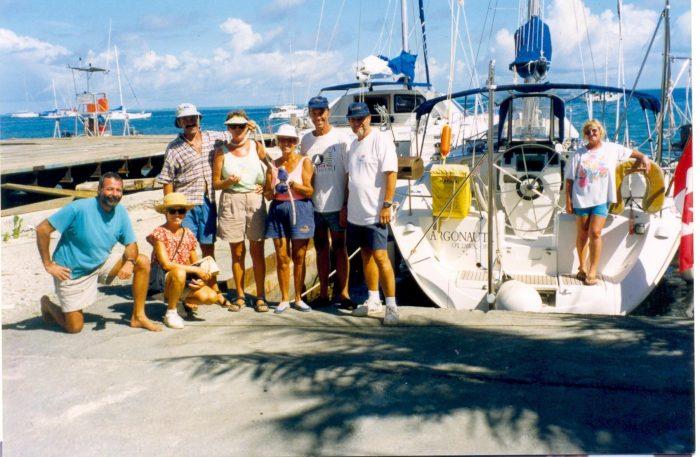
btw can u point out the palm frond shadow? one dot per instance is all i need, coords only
(560, 390)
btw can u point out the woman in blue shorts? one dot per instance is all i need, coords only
(590, 188)
(291, 214)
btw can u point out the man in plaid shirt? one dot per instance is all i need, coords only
(187, 169)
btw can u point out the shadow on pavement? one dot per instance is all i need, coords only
(630, 394)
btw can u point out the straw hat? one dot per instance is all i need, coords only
(174, 200)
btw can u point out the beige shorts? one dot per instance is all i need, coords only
(241, 217)
(76, 294)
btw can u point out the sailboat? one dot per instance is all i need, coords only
(26, 114)
(58, 113)
(489, 231)
(120, 113)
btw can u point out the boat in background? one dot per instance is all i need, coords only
(120, 114)
(285, 112)
(24, 114)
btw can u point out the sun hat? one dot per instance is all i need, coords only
(173, 200)
(236, 120)
(318, 102)
(287, 130)
(184, 110)
(357, 109)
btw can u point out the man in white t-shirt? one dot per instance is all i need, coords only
(371, 168)
(327, 148)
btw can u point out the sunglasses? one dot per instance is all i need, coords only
(591, 131)
(237, 126)
(177, 210)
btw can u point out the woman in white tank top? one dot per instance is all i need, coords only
(239, 172)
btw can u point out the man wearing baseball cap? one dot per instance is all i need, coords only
(327, 148)
(371, 168)
(187, 168)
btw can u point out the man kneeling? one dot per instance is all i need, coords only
(89, 230)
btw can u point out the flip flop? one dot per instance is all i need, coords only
(261, 306)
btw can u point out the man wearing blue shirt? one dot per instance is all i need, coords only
(89, 230)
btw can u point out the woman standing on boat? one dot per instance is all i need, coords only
(590, 188)
(291, 214)
(239, 171)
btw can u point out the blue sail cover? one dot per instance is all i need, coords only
(404, 64)
(533, 49)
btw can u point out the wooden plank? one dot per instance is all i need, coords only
(39, 206)
(129, 185)
(50, 190)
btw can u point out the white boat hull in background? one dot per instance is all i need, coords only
(120, 116)
(24, 115)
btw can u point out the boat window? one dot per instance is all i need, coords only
(406, 103)
(530, 163)
(532, 119)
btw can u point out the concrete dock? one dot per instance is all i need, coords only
(325, 383)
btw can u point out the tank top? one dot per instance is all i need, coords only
(248, 167)
(294, 175)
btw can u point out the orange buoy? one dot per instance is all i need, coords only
(445, 140)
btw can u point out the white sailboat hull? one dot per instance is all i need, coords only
(449, 264)
(120, 116)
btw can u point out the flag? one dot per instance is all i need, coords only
(683, 198)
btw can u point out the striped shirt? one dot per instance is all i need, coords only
(190, 173)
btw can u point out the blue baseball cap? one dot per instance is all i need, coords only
(357, 109)
(318, 102)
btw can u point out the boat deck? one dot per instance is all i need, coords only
(539, 281)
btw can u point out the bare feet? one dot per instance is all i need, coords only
(144, 322)
(46, 305)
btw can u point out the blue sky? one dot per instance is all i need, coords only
(226, 53)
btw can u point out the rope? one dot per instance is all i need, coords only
(377, 49)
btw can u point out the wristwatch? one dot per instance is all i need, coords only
(386, 205)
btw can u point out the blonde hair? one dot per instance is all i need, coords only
(593, 123)
(239, 112)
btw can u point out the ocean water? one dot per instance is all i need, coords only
(673, 297)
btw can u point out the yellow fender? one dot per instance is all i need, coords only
(653, 199)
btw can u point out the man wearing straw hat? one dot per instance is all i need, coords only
(187, 168)
(371, 169)
(89, 230)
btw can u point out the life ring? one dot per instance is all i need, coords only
(653, 199)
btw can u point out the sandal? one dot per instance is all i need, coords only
(581, 275)
(590, 281)
(236, 306)
(261, 306)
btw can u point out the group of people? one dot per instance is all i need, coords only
(334, 188)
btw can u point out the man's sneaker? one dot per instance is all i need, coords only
(344, 303)
(392, 316)
(173, 320)
(368, 307)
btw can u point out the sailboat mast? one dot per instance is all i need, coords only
(404, 26)
(119, 79)
(665, 75)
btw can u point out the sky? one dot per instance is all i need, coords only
(242, 53)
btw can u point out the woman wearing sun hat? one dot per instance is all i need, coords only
(239, 171)
(291, 213)
(174, 253)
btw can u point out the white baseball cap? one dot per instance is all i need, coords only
(287, 130)
(184, 110)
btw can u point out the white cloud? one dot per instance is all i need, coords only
(574, 27)
(11, 43)
(150, 61)
(683, 26)
(243, 37)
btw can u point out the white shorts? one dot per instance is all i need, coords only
(76, 294)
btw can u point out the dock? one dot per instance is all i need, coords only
(28, 155)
